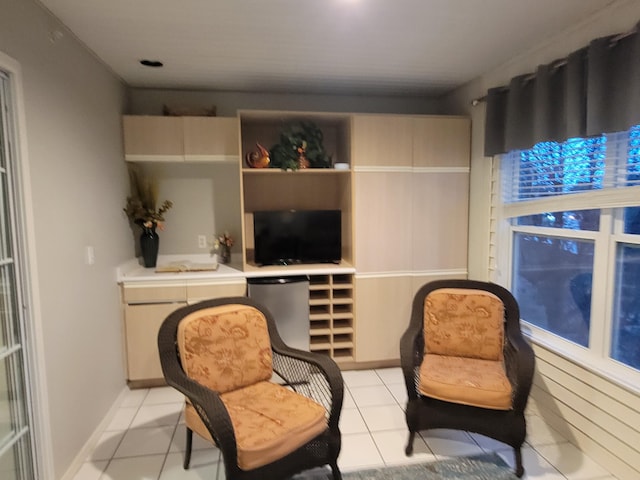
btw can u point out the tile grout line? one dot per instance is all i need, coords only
(388, 386)
(123, 435)
(173, 436)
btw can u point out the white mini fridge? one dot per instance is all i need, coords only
(287, 298)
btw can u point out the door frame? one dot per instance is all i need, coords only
(35, 371)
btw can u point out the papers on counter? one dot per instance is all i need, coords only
(186, 266)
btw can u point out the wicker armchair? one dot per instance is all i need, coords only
(466, 364)
(221, 354)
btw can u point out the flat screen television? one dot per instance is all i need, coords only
(284, 237)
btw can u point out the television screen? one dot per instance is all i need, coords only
(283, 237)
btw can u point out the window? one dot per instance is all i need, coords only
(571, 217)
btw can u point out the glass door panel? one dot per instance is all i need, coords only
(16, 450)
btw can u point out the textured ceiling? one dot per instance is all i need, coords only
(397, 47)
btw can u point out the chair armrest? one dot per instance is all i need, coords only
(520, 366)
(207, 403)
(313, 375)
(411, 354)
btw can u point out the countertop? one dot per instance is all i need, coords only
(133, 272)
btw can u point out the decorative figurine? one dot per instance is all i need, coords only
(259, 159)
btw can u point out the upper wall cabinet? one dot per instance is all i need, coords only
(441, 142)
(411, 179)
(180, 139)
(382, 140)
(401, 141)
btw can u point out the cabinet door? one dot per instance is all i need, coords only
(441, 142)
(382, 140)
(383, 221)
(152, 293)
(153, 138)
(208, 139)
(440, 221)
(383, 307)
(142, 323)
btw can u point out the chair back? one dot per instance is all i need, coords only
(225, 347)
(463, 322)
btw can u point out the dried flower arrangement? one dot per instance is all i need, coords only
(225, 239)
(141, 204)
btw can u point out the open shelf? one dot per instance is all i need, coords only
(301, 189)
(331, 326)
(304, 171)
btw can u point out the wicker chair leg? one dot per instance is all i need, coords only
(409, 450)
(218, 464)
(335, 471)
(187, 450)
(518, 457)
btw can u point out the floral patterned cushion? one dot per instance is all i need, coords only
(225, 347)
(470, 381)
(464, 323)
(269, 421)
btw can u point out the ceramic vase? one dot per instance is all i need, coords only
(225, 254)
(149, 244)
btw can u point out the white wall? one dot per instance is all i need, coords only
(72, 111)
(206, 201)
(587, 408)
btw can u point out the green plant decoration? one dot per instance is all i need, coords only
(299, 142)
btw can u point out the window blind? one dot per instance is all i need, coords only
(596, 172)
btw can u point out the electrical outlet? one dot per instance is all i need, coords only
(202, 241)
(89, 255)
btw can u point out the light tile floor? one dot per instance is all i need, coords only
(145, 439)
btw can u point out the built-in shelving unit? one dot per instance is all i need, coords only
(304, 189)
(401, 170)
(331, 316)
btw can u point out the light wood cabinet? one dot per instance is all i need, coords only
(199, 291)
(383, 215)
(441, 142)
(211, 139)
(142, 323)
(383, 309)
(154, 293)
(440, 221)
(411, 219)
(382, 140)
(153, 138)
(146, 306)
(180, 139)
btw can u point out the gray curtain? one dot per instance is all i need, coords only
(594, 90)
